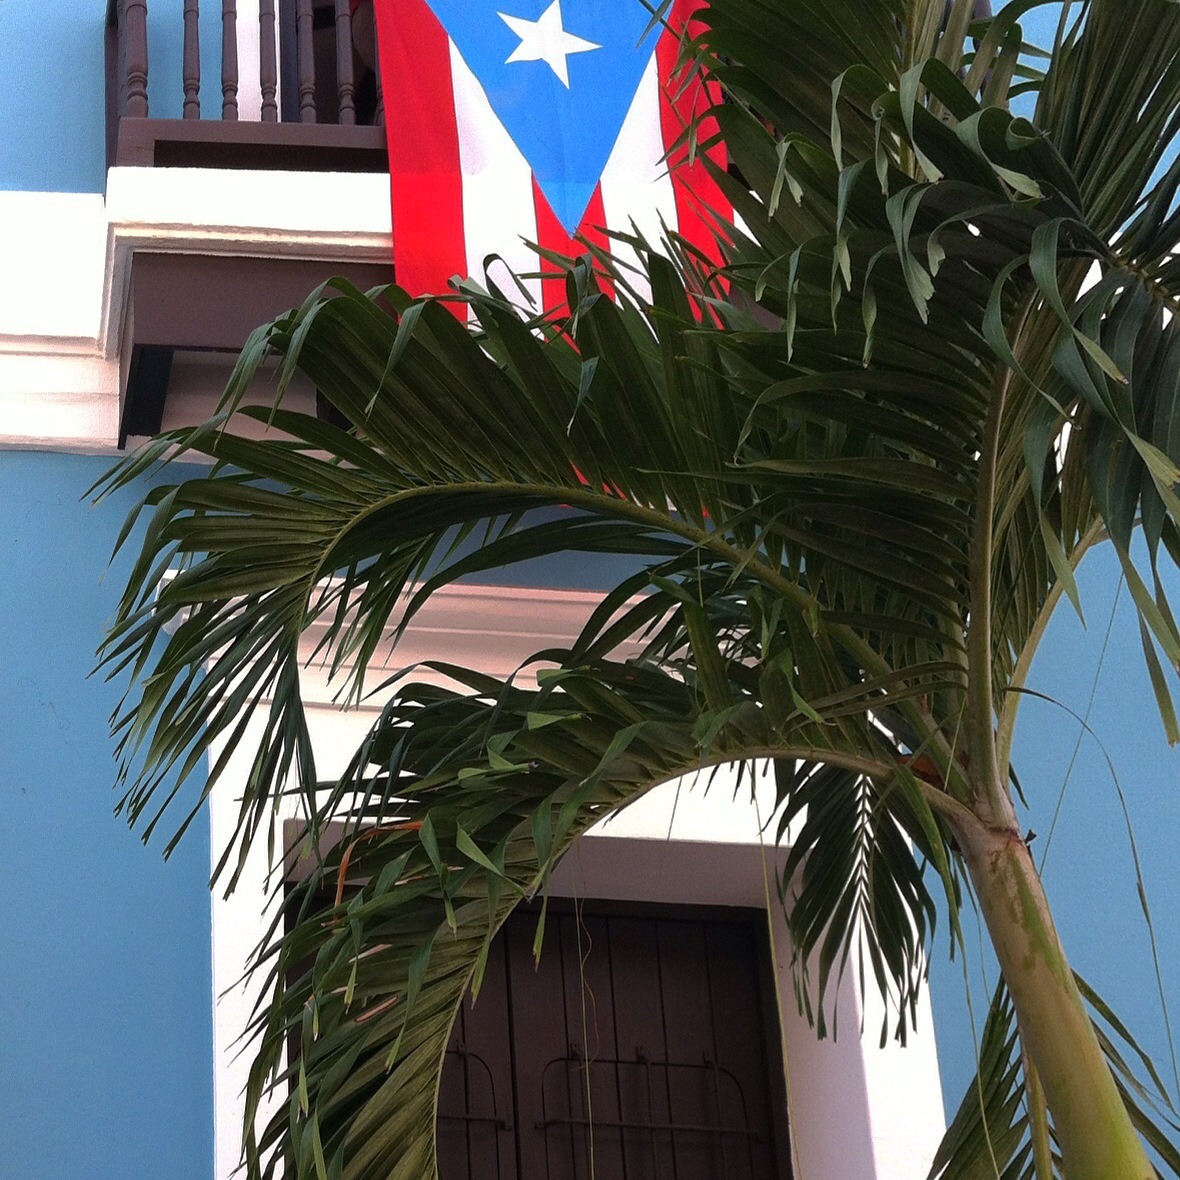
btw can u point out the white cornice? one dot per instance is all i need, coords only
(323, 217)
(68, 263)
(492, 629)
(66, 401)
(28, 345)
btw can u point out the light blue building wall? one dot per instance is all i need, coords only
(106, 1033)
(106, 1028)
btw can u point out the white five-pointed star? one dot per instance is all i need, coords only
(545, 39)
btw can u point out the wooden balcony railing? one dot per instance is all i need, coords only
(316, 107)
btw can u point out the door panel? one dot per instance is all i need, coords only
(738, 1022)
(545, 1086)
(476, 1110)
(645, 1098)
(594, 1070)
(640, 1047)
(692, 1081)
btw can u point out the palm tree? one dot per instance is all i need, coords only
(857, 472)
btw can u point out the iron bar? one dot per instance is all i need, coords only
(689, 1128)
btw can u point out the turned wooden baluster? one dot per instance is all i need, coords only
(133, 34)
(192, 60)
(345, 84)
(268, 71)
(303, 37)
(229, 60)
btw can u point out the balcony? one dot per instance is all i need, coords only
(283, 92)
(308, 103)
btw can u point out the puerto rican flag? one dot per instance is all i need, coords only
(518, 121)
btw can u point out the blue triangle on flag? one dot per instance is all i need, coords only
(566, 133)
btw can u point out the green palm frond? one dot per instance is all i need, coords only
(855, 472)
(969, 232)
(469, 799)
(989, 1135)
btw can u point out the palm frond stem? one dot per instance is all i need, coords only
(981, 744)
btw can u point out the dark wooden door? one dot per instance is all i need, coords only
(644, 1045)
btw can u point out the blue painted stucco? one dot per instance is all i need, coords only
(106, 1027)
(51, 100)
(52, 87)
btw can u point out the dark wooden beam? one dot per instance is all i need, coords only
(202, 303)
(298, 147)
(148, 375)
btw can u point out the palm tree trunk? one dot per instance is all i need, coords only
(1094, 1131)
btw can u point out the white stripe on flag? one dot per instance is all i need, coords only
(635, 183)
(498, 210)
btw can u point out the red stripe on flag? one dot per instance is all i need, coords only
(551, 235)
(696, 191)
(424, 170)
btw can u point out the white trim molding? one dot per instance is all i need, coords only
(311, 216)
(57, 389)
(67, 271)
(66, 401)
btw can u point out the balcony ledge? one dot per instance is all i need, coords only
(179, 239)
(333, 218)
(239, 144)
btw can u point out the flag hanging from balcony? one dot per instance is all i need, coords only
(515, 121)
